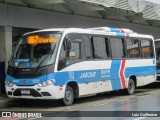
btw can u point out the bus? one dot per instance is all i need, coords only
(157, 47)
(70, 63)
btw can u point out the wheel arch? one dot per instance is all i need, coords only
(75, 87)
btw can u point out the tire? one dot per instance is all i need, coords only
(131, 87)
(68, 96)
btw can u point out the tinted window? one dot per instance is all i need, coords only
(157, 46)
(75, 51)
(117, 48)
(133, 48)
(71, 50)
(87, 47)
(99, 48)
(146, 49)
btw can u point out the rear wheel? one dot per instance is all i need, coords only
(68, 96)
(131, 87)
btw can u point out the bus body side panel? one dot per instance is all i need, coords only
(110, 75)
(88, 76)
(94, 76)
(143, 69)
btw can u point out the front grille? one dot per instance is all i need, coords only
(24, 73)
(30, 73)
(33, 93)
(24, 85)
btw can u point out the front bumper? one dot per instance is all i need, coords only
(35, 92)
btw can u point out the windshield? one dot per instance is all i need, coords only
(34, 50)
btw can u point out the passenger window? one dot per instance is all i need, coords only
(118, 50)
(70, 51)
(146, 49)
(157, 46)
(74, 54)
(133, 48)
(87, 47)
(158, 53)
(99, 48)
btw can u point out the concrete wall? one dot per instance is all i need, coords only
(2, 44)
(17, 16)
(5, 44)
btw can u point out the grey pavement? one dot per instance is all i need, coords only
(6, 102)
(3, 100)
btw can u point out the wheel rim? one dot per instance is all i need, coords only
(68, 96)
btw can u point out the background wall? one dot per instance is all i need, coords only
(25, 17)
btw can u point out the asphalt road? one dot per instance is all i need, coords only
(146, 98)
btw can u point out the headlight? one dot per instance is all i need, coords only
(8, 83)
(46, 83)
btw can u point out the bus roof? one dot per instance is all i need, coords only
(121, 32)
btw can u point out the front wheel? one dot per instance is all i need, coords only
(68, 96)
(131, 87)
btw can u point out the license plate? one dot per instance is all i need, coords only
(25, 92)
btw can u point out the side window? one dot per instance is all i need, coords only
(74, 53)
(157, 46)
(133, 48)
(146, 48)
(87, 47)
(99, 48)
(71, 50)
(118, 50)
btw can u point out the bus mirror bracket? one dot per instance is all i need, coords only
(68, 45)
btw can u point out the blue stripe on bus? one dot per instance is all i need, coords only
(114, 29)
(140, 71)
(120, 34)
(112, 74)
